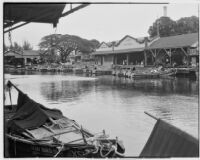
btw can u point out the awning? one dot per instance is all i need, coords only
(14, 13)
(32, 12)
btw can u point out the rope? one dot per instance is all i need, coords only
(61, 148)
(105, 155)
(10, 96)
(15, 147)
(9, 36)
(116, 152)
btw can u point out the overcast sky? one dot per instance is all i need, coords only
(104, 22)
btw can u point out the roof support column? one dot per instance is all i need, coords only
(127, 59)
(153, 56)
(103, 60)
(115, 59)
(145, 58)
(25, 60)
(169, 53)
(186, 54)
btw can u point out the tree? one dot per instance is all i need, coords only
(47, 49)
(16, 47)
(27, 46)
(65, 44)
(52, 45)
(168, 27)
(187, 25)
(95, 43)
(5, 47)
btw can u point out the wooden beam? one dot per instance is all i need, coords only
(75, 9)
(145, 58)
(153, 53)
(16, 27)
(167, 52)
(29, 21)
(10, 24)
(184, 52)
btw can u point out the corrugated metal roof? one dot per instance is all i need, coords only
(25, 53)
(118, 51)
(184, 40)
(12, 53)
(31, 53)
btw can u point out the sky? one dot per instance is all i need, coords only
(104, 22)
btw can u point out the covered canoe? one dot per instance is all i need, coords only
(32, 130)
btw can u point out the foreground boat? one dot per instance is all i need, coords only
(32, 130)
(168, 141)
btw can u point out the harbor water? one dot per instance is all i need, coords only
(115, 104)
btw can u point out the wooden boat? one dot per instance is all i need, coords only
(78, 71)
(154, 74)
(167, 73)
(145, 75)
(32, 130)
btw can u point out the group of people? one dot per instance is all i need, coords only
(123, 72)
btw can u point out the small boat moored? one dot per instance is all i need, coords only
(32, 130)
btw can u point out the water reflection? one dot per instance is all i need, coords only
(64, 91)
(117, 104)
(165, 86)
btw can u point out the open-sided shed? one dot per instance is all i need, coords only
(171, 49)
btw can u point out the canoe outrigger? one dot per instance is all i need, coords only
(32, 130)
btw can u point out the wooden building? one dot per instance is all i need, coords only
(179, 50)
(127, 51)
(24, 57)
(173, 50)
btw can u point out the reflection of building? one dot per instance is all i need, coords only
(21, 57)
(171, 50)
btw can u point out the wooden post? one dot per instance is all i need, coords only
(170, 53)
(127, 59)
(151, 115)
(145, 58)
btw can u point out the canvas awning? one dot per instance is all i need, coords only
(30, 114)
(29, 12)
(15, 13)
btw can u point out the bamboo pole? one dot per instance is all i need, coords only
(151, 115)
(10, 97)
(10, 83)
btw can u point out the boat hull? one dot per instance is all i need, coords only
(23, 148)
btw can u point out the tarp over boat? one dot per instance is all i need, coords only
(169, 141)
(31, 114)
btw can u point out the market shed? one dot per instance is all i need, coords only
(171, 50)
(127, 51)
